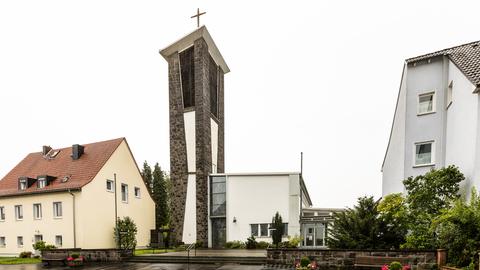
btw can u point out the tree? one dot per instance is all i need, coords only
(394, 219)
(125, 234)
(160, 196)
(364, 227)
(277, 226)
(427, 196)
(458, 230)
(147, 176)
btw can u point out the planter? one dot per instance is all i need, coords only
(75, 262)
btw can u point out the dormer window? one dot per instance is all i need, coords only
(42, 182)
(23, 184)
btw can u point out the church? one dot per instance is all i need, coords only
(209, 206)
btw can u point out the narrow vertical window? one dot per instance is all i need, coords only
(254, 229)
(37, 211)
(449, 94)
(2, 213)
(218, 199)
(264, 229)
(23, 184)
(42, 182)
(137, 192)
(20, 241)
(57, 210)
(124, 193)
(2, 241)
(18, 212)
(58, 240)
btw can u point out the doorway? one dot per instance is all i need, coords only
(219, 232)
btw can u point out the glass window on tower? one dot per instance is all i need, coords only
(187, 74)
(218, 200)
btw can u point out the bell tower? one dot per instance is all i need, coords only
(196, 72)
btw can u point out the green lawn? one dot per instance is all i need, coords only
(16, 260)
(152, 251)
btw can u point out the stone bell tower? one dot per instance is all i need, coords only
(196, 95)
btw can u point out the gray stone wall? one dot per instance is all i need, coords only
(221, 126)
(334, 258)
(178, 147)
(203, 137)
(91, 255)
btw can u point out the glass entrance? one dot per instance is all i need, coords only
(219, 232)
(314, 235)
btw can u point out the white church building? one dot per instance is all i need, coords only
(436, 121)
(210, 206)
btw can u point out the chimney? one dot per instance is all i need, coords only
(77, 151)
(46, 149)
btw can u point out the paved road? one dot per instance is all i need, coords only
(136, 266)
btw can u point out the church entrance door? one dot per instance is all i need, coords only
(219, 232)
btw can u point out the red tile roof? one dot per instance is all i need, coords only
(80, 172)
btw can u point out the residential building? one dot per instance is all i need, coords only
(70, 197)
(436, 120)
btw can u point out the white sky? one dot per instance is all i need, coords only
(315, 76)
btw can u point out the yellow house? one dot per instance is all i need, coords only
(70, 198)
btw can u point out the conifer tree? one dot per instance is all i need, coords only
(277, 232)
(159, 195)
(147, 176)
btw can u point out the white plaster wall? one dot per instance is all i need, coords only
(48, 226)
(190, 220)
(254, 199)
(189, 121)
(214, 136)
(462, 120)
(393, 167)
(421, 79)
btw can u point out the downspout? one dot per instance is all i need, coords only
(74, 223)
(116, 215)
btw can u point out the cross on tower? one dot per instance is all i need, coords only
(198, 16)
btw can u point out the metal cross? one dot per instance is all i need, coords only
(198, 16)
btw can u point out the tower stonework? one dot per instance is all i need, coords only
(196, 99)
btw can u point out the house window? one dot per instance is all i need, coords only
(20, 241)
(58, 240)
(426, 103)
(23, 184)
(41, 183)
(38, 238)
(137, 192)
(254, 229)
(2, 241)
(2, 213)
(110, 185)
(424, 153)
(37, 211)
(285, 229)
(124, 193)
(218, 199)
(57, 209)
(18, 212)
(263, 229)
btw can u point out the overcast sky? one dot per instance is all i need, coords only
(320, 77)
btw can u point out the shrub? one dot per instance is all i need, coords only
(25, 254)
(262, 245)
(39, 245)
(75, 255)
(304, 262)
(251, 243)
(49, 247)
(395, 266)
(235, 244)
(125, 234)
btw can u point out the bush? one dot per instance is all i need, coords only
(75, 255)
(235, 244)
(49, 247)
(304, 262)
(262, 245)
(395, 266)
(125, 234)
(251, 243)
(25, 254)
(39, 245)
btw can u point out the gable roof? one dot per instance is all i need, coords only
(465, 56)
(80, 172)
